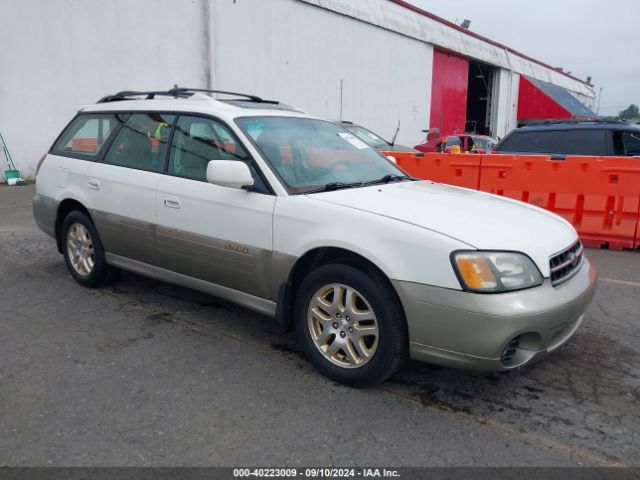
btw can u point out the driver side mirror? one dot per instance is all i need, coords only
(229, 173)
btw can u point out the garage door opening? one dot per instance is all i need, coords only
(479, 95)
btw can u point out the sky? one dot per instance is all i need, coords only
(593, 38)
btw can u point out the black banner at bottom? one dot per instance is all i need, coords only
(223, 473)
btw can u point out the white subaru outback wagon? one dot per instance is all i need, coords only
(294, 217)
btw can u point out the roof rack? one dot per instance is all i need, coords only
(129, 94)
(569, 120)
(177, 92)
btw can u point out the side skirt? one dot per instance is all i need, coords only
(257, 304)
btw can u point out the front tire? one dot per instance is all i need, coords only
(351, 325)
(83, 252)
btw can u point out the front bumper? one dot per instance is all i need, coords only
(471, 330)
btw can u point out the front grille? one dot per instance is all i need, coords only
(566, 263)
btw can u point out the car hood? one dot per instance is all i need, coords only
(483, 221)
(396, 148)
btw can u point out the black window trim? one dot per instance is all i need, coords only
(165, 171)
(112, 139)
(81, 156)
(270, 190)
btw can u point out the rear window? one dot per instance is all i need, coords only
(86, 135)
(570, 142)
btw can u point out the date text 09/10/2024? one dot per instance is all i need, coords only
(316, 473)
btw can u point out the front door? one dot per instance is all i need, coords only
(218, 234)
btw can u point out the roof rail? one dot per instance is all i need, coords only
(569, 120)
(128, 94)
(177, 92)
(253, 98)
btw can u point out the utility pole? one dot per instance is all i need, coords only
(341, 94)
(599, 99)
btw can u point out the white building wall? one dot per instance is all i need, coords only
(397, 18)
(57, 56)
(298, 54)
(504, 104)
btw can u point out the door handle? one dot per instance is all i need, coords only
(171, 201)
(93, 184)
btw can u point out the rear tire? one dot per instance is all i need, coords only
(350, 324)
(83, 252)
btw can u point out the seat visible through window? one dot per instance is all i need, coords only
(141, 143)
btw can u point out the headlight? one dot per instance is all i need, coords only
(495, 272)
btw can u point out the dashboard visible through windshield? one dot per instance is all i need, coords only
(309, 154)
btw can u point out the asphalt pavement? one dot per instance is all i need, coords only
(148, 374)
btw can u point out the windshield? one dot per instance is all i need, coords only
(368, 136)
(308, 153)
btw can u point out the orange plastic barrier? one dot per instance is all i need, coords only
(89, 145)
(600, 196)
(457, 169)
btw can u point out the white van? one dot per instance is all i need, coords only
(294, 217)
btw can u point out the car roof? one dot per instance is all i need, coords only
(194, 102)
(579, 125)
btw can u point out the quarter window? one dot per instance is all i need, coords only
(85, 136)
(141, 143)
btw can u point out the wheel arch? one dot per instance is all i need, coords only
(65, 207)
(308, 262)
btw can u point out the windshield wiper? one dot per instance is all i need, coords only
(335, 186)
(391, 177)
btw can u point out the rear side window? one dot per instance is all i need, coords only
(631, 141)
(141, 143)
(85, 136)
(570, 142)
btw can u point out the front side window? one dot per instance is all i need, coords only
(86, 135)
(308, 154)
(141, 143)
(477, 143)
(197, 141)
(583, 142)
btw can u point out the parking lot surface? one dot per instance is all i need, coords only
(146, 373)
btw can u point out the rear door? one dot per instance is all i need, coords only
(123, 186)
(217, 234)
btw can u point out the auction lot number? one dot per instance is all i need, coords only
(315, 473)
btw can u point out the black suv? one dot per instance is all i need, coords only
(559, 139)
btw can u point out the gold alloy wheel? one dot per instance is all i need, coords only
(343, 325)
(80, 249)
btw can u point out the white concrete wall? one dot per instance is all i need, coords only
(56, 56)
(298, 53)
